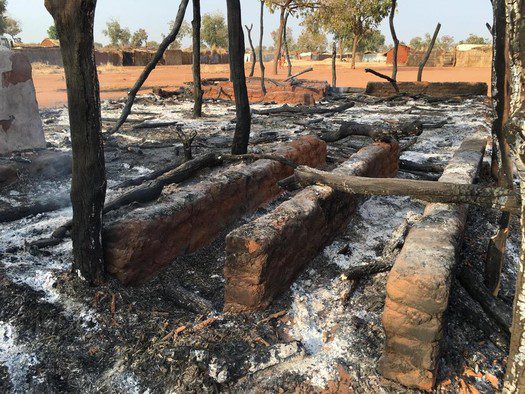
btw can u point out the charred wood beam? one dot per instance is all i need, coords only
(19, 212)
(438, 192)
(392, 81)
(377, 132)
(307, 70)
(303, 110)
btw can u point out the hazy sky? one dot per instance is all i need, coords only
(415, 17)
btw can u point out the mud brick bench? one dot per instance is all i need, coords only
(436, 89)
(139, 243)
(264, 257)
(418, 286)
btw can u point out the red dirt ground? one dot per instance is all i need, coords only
(114, 81)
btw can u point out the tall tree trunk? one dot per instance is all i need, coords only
(261, 57)
(354, 49)
(500, 93)
(279, 45)
(515, 130)
(285, 39)
(254, 60)
(394, 38)
(334, 69)
(197, 85)
(74, 22)
(242, 105)
(341, 49)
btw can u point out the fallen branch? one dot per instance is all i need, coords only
(439, 192)
(16, 213)
(302, 109)
(375, 131)
(299, 73)
(144, 178)
(392, 81)
(153, 125)
(168, 40)
(187, 299)
(421, 167)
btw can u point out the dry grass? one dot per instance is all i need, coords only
(43, 68)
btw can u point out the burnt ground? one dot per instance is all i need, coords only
(324, 334)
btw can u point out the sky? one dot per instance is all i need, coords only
(459, 18)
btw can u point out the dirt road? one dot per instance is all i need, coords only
(115, 81)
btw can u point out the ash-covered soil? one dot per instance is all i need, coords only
(323, 335)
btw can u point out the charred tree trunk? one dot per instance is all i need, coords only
(500, 98)
(514, 131)
(429, 51)
(242, 105)
(287, 51)
(151, 66)
(254, 60)
(261, 57)
(197, 85)
(334, 67)
(354, 49)
(394, 37)
(279, 45)
(74, 21)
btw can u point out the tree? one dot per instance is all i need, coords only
(284, 7)
(445, 43)
(371, 41)
(312, 40)
(236, 49)
(74, 21)
(289, 37)
(185, 31)
(139, 38)
(118, 36)
(351, 19)
(3, 7)
(12, 27)
(197, 85)
(152, 45)
(52, 32)
(214, 30)
(475, 40)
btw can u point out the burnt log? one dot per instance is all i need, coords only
(377, 132)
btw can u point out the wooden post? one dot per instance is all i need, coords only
(74, 22)
(254, 60)
(151, 66)
(236, 52)
(197, 85)
(285, 40)
(261, 57)
(429, 51)
(334, 59)
(394, 37)
(500, 100)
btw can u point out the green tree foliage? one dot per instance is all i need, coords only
(214, 31)
(474, 39)
(118, 36)
(12, 27)
(312, 40)
(184, 31)
(372, 41)
(351, 20)
(52, 32)
(139, 38)
(445, 43)
(292, 45)
(3, 6)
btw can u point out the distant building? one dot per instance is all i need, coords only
(402, 54)
(370, 57)
(50, 43)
